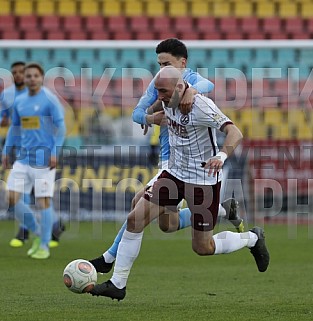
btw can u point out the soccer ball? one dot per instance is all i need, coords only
(80, 276)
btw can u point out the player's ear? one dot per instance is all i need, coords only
(180, 87)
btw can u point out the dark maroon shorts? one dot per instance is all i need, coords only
(203, 200)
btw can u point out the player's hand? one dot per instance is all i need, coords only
(159, 118)
(5, 161)
(186, 102)
(145, 129)
(215, 164)
(53, 162)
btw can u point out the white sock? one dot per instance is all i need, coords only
(108, 258)
(227, 242)
(221, 211)
(127, 253)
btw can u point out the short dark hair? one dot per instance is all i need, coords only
(35, 65)
(172, 46)
(18, 63)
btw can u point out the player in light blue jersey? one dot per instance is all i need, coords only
(38, 132)
(170, 52)
(7, 99)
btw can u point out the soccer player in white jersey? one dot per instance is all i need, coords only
(194, 173)
(170, 52)
(38, 131)
(7, 99)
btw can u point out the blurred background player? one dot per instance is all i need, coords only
(7, 99)
(170, 52)
(38, 131)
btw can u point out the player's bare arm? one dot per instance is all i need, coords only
(232, 140)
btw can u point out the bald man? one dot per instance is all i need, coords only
(195, 174)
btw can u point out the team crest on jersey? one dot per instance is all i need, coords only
(184, 119)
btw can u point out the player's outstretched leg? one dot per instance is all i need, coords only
(259, 251)
(231, 206)
(108, 289)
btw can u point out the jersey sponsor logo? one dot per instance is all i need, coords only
(203, 224)
(184, 119)
(177, 129)
(30, 122)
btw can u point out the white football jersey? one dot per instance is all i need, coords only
(192, 139)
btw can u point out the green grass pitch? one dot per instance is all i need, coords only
(168, 281)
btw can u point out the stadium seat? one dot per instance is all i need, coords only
(45, 8)
(177, 8)
(27, 22)
(161, 23)
(155, 8)
(40, 55)
(32, 34)
(255, 35)
(249, 24)
(108, 57)
(206, 24)
(167, 34)
(263, 58)
(72, 23)
(67, 7)
(5, 6)
(117, 23)
(23, 7)
(221, 9)
(133, 8)
(140, 23)
(76, 35)
(271, 25)
(50, 23)
(17, 54)
(309, 26)
(55, 35)
(265, 9)
(219, 57)
(210, 35)
(233, 35)
(89, 8)
(243, 9)
(93, 23)
(122, 35)
(10, 34)
(306, 10)
(85, 56)
(287, 9)
(7, 23)
(145, 35)
(277, 35)
(111, 8)
(99, 35)
(183, 24)
(242, 56)
(189, 35)
(199, 8)
(293, 25)
(228, 24)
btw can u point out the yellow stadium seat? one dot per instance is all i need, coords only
(177, 8)
(89, 8)
(243, 9)
(67, 7)
(111, 8)
(221, 9)
(306, 9)
(155, 8)
(5, 6)
(199, 8)
(133, 8)
(288, 9)
(265, 9)
(45, 8)
(23, 7)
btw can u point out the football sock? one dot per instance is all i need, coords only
(46, 223)
(127, 253)
(221, 211)
(184, 218)
(227, 242)
(113, 249)
(25, 215)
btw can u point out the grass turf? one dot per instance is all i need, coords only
(168, 281)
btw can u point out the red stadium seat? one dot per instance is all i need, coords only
(227, 24)
(206, 24)
(11, 34)
(50, 23)
(72, 23)
(249, 24)
(94, 23)
(99, 35)
(122, 35)
(145, 35)
(183, 24)
(211, 35)
(139, 23)
(76, 35)
(233, 35)
(277, 35)
(189, 35)
(7, 23)
(28, 22)
(272, 24)
(118, 23)
(33, 34)
(55, 35)
(167, 34)
(255, 35)
(161, 23)
(294, 24)
(309, 26)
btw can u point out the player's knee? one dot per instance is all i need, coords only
(164, 227)
(203, 249)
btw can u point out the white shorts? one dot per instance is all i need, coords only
(23, 178)
(164, 166)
